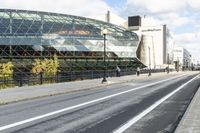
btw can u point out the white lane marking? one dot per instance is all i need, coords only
(80, 105)
(149, 109)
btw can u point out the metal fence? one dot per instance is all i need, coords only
(27, 79)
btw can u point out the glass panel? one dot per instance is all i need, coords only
(15, 15)
(29, 16)
(4, 15)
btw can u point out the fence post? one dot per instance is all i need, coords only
(41, 78)
(57, 77)
(71, 75)
(20, 82)
(4, 81)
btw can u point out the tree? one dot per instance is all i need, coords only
(6, 70)
(49, 67)
(52, 66)
(6, 73)
(38, 66)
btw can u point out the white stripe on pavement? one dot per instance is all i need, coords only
(149, 109)
(80, 105)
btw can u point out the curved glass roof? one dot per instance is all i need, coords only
(34, 22)
(64, 32)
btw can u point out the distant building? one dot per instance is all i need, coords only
(156, 42)
(182, 58)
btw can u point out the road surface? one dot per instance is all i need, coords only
(152, 106)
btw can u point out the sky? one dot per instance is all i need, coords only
(181, 16)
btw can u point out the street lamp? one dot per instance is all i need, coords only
(177, 65)
(104, 32)
(168, 63)
(149, 62)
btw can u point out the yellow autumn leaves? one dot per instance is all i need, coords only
(6, 70)
(46, 66)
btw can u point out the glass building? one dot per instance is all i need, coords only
(77, 41)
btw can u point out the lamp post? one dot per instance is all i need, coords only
(149, 62)
(168, 63)
(177, 65)
(104, 32)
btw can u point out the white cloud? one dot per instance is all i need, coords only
(75, 7)
(187, 37)
(195, 4)
(189, 41)
(158, 6)
(174, 20)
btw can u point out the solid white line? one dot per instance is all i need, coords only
(149, 109)
(80, 105)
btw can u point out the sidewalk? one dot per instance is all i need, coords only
(190, 123)
(31, 92)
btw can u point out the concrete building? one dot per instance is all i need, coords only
(156, 45)
(182, 58)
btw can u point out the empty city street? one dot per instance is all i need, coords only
(148, 105)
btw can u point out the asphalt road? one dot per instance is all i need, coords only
(143, 107)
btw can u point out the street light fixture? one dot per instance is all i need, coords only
(104, 32)
(149, 62)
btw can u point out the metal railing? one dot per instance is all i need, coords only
(28, 79)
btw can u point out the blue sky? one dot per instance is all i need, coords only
(115, 2)
(181, 16)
